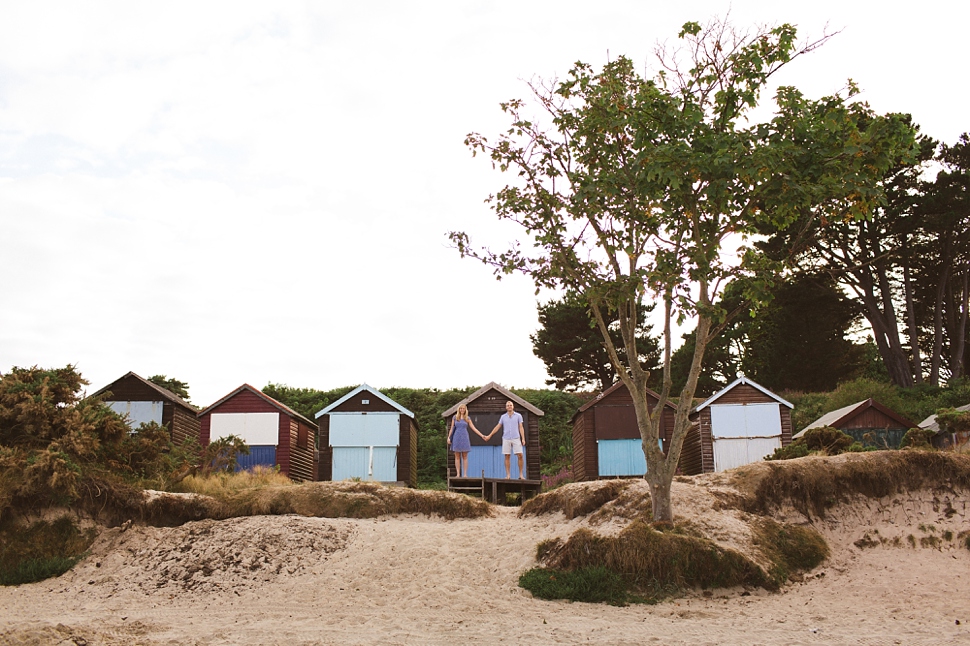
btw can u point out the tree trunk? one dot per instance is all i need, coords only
(911, 316)
(895, 360)
(937, 360)
(958, 338)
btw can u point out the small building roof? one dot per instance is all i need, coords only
(837, 418)
(489, 386)
(374, 391)
(609, 391)
(165, 393)
(930, 422)
(256, 391)
(734, 384)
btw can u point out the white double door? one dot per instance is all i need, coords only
(744, 433)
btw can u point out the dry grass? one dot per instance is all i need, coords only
(813, 484)
(577, 499)
(222, 485)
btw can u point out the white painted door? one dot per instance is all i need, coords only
(744, 433)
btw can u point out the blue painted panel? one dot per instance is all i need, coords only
(490, 459)
(385, 464)
(621, 457)
(264, 456)
(351, 462)
(375, 429)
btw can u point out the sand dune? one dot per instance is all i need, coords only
(419, 580)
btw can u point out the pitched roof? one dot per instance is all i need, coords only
(610, 391)
(489, 386)
(256, 391)
(163, 392)
(741, 380)
(369, 389)
(930, 422)
(837, 418)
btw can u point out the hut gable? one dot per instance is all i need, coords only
(275, 433)
(485, 406)
(144, 402)
(868, 422)
(366, 434)
(606, 436)
(740, 424)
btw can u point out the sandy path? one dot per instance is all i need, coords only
(414, 580)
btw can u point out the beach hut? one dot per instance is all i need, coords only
(275, 433)
(367, 435)
(485, 406)
(943, 440)
(144, 402)
(740, 424)
(606, 438)
(868, 422)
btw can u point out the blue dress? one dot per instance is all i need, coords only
(459, 438)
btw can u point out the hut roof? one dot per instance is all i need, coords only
(489, 386)
(609, 391)
(930, 422)
(737, 382)
(837, 418)
(369, 389)
(164, 393)
(256, 391)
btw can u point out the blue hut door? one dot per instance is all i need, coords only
(365, 445)
(488, 457)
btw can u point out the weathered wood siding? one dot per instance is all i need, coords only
(324, 452)
(295, 462)
(182, 423)
(491, 404)
(407, 452)
(612, 417)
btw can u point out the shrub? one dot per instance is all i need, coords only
(823, 439)
(917, 438)
(592, 585)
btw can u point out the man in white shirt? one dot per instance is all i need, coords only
(513, 439)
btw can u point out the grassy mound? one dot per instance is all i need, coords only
(813, 484)
(573, 500)
(646, 563)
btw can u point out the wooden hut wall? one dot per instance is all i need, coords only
(324, 452)
(182, 423)
(611, 418)
(406, 469)
(872, 427)
(407, 457)
(584, 446)
(298, 453)
(697, 455)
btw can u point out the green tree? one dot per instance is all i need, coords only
(180, 388)
(637, 187)
(569, 344)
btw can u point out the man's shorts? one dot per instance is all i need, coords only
(511, 446)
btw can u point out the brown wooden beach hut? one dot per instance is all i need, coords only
(485, 406)
(740, 424)
(867, 422)
(275, 433)
(144, 402)
(606, 438)
(367, 435)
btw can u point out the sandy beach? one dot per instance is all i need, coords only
(413, 579)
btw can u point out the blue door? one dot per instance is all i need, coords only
(491, 460)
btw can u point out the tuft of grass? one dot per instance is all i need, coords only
(911, 540)
(812, 485)
(591, 585)
(790, 548)
(573, 501)
(947, 535)
(41, 550)
(930, 541)
(223, 485)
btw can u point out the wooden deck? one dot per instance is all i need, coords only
(494, 490)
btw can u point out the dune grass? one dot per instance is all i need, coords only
(41, 550)
(814, 484)
(575, 500)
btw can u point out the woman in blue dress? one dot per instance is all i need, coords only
(458, 440)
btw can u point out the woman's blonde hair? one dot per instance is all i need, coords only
(459, 415)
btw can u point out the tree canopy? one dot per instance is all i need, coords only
(637, 189)
(569, 344)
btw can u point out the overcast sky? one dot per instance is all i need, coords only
(235, 192)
